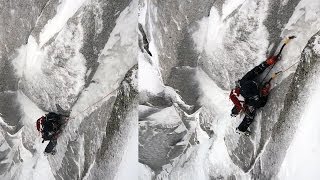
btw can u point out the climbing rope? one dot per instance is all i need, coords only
(77, 114)
(279, 72)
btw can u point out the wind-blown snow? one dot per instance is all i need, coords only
(200, 36)
(30, 59)
(53, 73)
(302, 160)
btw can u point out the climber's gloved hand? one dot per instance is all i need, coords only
(234, 111)
(271, 60)
(292, 37)
(266, 89)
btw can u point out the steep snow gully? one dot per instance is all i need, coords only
(147, 83)
(198, 50)
(82, 56)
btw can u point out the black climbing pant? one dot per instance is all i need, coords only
(51, 146)
(247, 120)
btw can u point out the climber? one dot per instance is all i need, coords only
(250, 94)
(50, 125)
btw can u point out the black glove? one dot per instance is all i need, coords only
(265, 90)
(234, 111)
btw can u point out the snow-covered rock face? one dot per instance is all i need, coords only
(159, 135)
(304, 84)
(200, 49)
(82, 56)
(16, 22)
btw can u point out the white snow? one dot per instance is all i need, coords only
(200, 36)
(303, 23)
(316, 47)
(152, 13)
(40, 73)
(211, 156)
(221, 40)
(117, 57)
(2, 123)
(229, 6)
(31, 111)
(215, 31)
(170, 93)
(149, 78)
(302, 160)
(215, 37)
(195, 164)
(34, 166)
(168, 115)
(30, 59)
(65, 10)
(217, 99)
(145, 172)
(36, 65)
(142, 12)
(128, 168)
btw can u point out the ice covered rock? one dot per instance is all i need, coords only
(295, 102)
(202, 53)
(77, 55)
(159, 135)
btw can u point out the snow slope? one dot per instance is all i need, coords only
(76, 54)
(302, 158)
(202, 48)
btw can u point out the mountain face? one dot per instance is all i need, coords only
(193, 52)
(169, 64)
(82, 56)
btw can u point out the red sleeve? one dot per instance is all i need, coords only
(235, 101)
